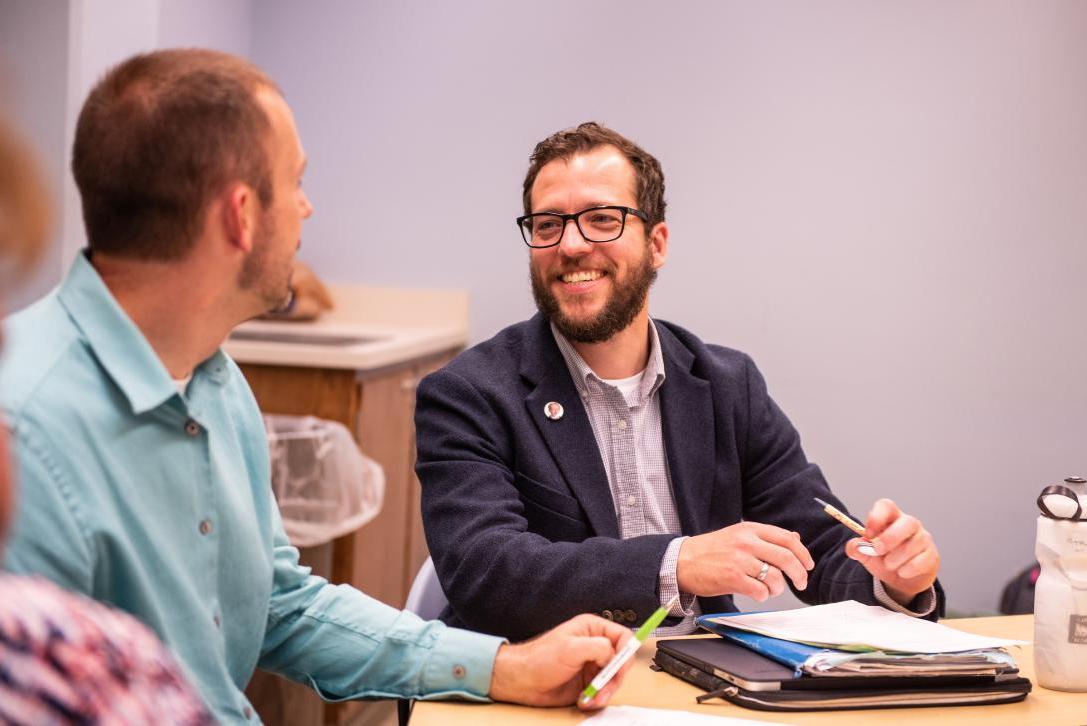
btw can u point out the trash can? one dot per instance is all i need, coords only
(324, 485)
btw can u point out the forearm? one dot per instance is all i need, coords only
(352, 646)
(518, 585)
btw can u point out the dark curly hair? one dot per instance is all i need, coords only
(591, 135)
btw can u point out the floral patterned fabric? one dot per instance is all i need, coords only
(65, 659)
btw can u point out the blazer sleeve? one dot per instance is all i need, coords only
(779, 486)
(499, 576)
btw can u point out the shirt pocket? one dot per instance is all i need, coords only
(551, 513)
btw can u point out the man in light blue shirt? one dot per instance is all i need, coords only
(141, 449)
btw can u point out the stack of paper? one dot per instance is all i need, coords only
(849, 638)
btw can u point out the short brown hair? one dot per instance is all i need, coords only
(588, 136)
(157, 138)
(24, 208)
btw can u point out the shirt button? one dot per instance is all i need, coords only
(631, 616)
(608, 615)
(247, 712)
(622, 423)
(192, 428)
(458, 671)
(218, 622)
(205, 526)
(631, 500)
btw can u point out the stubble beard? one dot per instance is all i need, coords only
(271, 285)
(622, 306)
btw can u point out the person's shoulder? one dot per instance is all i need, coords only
(44, 606)
(41, 342)
(124, 664)
(710, 357)
(496, 359)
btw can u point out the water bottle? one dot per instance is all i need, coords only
(1060, 595)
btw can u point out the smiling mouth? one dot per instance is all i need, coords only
(582, 276)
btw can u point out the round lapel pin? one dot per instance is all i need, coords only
(553, 410)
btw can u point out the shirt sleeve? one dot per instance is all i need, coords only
(348, 645)
(921, 605)
(669, 582)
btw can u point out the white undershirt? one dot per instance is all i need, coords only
(627, 386)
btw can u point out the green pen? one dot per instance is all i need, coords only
(626, 652)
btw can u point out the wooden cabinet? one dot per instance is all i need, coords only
(382, 557)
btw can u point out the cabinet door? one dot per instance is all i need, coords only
(329, 394)
(385, 434)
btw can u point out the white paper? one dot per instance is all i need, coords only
(850, 624)
(638, 716)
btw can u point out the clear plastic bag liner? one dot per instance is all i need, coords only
(324, 485)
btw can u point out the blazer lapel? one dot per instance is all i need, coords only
(687, 425)
(569, 438)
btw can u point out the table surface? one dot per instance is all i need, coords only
(645, 687)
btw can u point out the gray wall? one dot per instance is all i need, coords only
(33, 96)
(52, 52)
(884, 203)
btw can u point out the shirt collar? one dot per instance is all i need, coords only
(118, 345)
(583, 375)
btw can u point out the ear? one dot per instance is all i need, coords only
(240, 211)
(658, 244)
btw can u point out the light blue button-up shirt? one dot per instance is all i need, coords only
(161, 505)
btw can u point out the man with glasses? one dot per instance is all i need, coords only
(591, 459)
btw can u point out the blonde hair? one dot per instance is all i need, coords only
(24, 209)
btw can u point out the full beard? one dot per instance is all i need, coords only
(622, 306)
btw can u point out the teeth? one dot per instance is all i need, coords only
(583, 276)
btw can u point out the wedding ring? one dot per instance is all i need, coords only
(763, 571)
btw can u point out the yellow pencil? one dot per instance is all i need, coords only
(865, 548)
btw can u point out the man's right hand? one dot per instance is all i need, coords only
(728, 561)
(552, 669)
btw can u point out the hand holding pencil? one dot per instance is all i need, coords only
(553, 669)
(896, 548)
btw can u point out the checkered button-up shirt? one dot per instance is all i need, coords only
(626, 419)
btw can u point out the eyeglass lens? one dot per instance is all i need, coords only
(595, 225)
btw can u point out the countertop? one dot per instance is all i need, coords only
(369, 328)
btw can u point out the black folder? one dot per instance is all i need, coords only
(748, 679)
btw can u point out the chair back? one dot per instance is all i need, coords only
(426, 598)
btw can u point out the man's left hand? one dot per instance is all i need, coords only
(906, 559)
(554, 668)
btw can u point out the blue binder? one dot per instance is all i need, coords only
(785, 652)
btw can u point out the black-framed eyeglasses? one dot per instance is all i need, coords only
(596, 224)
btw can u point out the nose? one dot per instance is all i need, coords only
(307, 207)
(572, 243)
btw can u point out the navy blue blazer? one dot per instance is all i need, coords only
(518, 514)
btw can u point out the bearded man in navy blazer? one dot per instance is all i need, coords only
(592, 459)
